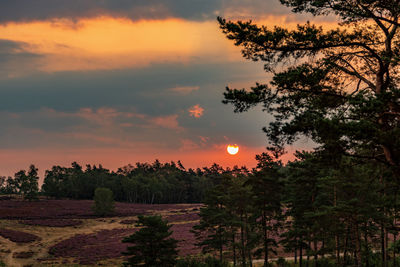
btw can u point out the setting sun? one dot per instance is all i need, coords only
(233, 149)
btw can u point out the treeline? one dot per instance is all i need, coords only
(142, 183)
(323, 210)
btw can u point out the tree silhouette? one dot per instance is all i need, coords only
(153, 245)
(342, 88)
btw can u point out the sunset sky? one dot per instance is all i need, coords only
(121, 81)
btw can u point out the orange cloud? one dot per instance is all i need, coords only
(185, 89)
(187, 145)
(196, 111)
(169, 122)
(104, 43)
(111, 43)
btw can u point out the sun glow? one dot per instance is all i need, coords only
(233, 149)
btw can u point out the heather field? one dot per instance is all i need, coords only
(63, 232)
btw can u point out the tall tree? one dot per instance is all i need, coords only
(27, 183)
(343, 88)
(266, 191)
(215, 219)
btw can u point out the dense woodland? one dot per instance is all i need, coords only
(143, 183)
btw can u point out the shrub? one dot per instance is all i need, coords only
(103, 202)
(207, 262)
(281, 262)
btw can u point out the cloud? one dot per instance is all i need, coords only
(188, 145)
(146, 89)
(16, 58)
(26, 10)
(128, 44)
(184, 90)
(204, 139)
(85, 127)
(74, 10)
(169, 122)
(196, 111)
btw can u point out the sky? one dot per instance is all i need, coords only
(114, 82)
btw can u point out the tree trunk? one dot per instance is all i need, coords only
(247, 240)
(264, 222)
(383, 251)
(337, 245)
(357, 245)
(243, 248)
(301, 253)
(308, 252)
(234, 247)
(394, 250)
(315, 252)
(366, 247)
(345, 250)
(220, 243)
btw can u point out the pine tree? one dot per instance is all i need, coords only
(152, 244)
(342, 90)
(266, 191)
(212, 232)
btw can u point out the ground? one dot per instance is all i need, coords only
(65, 232)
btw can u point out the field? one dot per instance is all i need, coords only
(65, 232)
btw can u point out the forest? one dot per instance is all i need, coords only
(335, 205)
(319, 209)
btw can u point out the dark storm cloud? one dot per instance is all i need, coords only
(28, 10)
(147, 89)
(14, 57)
(66, 108)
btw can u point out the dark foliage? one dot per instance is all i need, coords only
(103, 202)
(18, 236)
(152, 244)
(142, 183)
(53, 222)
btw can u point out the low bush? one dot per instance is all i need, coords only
(205, 262)
(103, 202)
(52, 222)
(23, 255)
